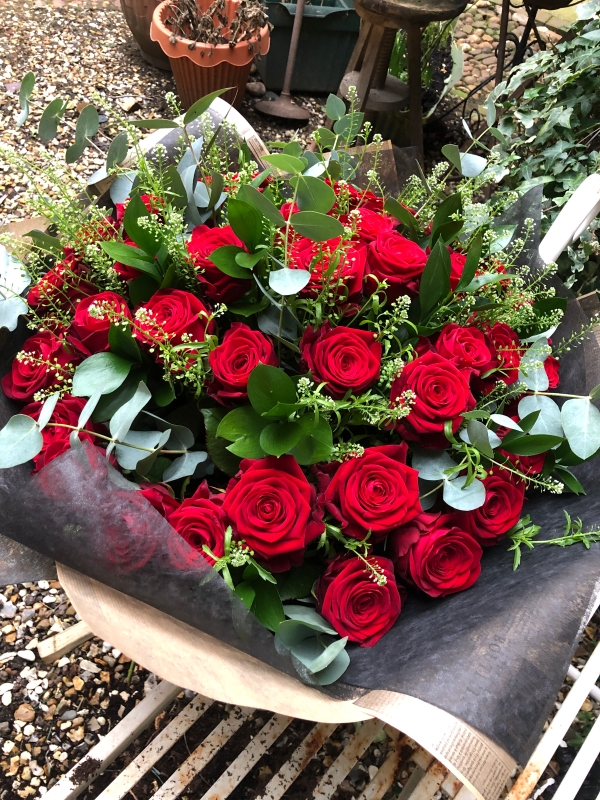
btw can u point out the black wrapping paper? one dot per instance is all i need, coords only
(494, 656)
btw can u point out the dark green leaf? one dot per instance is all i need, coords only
(225, 259)
(313, 194)
(202, 105)
(247, 447)
(435, 280)
(267, 386)
(531, 445)
(472, 262)
(246, 593)
(279, 438)
(117, 151)
(48, 243)
(404, 216)
(285, 163)
(335, 108)
(267, 606)
(316, 227)
(132, 257)
(216, 189)
(245, 221)
(262, 204)
(298, 581)
(153, 124)
(50, 118)
(123, 344)
(247, 309)
(452, 153)
(239, 422)
(217, 449)
(570, 481)
(145, 238)
(249, 260)
(452, 205)
(141, 289)
(174, 189)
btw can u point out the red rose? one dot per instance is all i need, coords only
(468, 348)
(441, 393)
(217, 286)
(504, 495)
(401, 540)
(371, 224)
(56, 440)
(200, 521)
(153, 203)
(445, 559)
(395, 259)
(124, 271)
(172, 315)
(345, 279)
(103, 230)
(130, 544)
(287, 209)
(92, 329)
(507, 357)
(359, 603)
(457, 264)
(375, 492)
(423, 346)
(232, 362)
(158, 495)
(358, 197)
(184, 558)
(342, 358)
(62, 286)
(45, 363)
(528, 465)
(552, 367)
(274, 509)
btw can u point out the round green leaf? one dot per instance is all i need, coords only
(335, 108)
(50, 118)
(464, 499)
(313, 194)
(102, 372)
(288, 281)
(280, 437)
(315, 226)
(117, 150)
(286, 163)
(268, 386)
(20, 441)
(581, 423)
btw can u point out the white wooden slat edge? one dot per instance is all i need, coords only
(422, 758)
(168, 737)
(582, 764)
(310, 746)
(575, 216)
(430, 782)
(52, 648)
(115, 741)
(411, 784)
(464, 794)
(555, 733)
(575, 674)
(241, 766)
(205, 751)
(347, 759)
(384, 778)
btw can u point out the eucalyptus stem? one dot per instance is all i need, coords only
(116, 441)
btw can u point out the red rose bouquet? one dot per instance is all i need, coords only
(334, 399)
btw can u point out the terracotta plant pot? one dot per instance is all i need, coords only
(138, 16)
(203, 68)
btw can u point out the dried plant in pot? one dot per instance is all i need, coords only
(211, 45)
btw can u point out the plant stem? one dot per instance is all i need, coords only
(116, 441)
(435, 488)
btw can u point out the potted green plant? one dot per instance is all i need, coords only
(210, 45)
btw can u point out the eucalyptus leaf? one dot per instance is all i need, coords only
(13, 280)
(102, 372)
(549, 418)
(120, 188)
(432, 464)
(581, 424)
(285, 163)
(128, 457)
(313, 194)
(308, 616)
(316, 226)
(50, 118)
(20, 441)
(123, 419)
(47, 410)
(335, 108)
(461, 497)
(185, 465)
(25, 91)
(88, 409)
(288, 281)
(117, 150)
(472, 165)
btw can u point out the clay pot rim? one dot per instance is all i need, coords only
(237, 55)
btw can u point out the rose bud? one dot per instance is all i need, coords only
(174, 316)
(402, 539)
(552, 366)
(375, 492)
(200, 521)
(441, 393)
(56, 440)
(445, 559)
(504, 496)
(234, 359)
(44, 364)
(397, 260)
(342, 358)
(457, 264)
(467, 347)
(93, 319)
(345, 279)
(371, 224)
(360, 600)
(506, 354)
(217, 286)
(62, 286)
(273, 508)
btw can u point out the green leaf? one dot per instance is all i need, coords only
(153, 124)
(451, 205)
(141, 289)
(280, 437)
(349, 126)
(447, 232)
(267, 606)
(144, 465)
(532, 445)
(581, 424)
(224, 460)
(486, 280)
(308, 616)
(316, 444)
(285, 163)
(404, 216)
(328, 655)
(145, 238)
(185, 465)
(313, 194)
(570, 481)
(471, 264)
(87, 126)
(548, 419)
(435, 280)
(298, 581)
(102, 372)
(249, 260)
(452, 153)
(262, 204)
(117, 151)
(225, 258)
(50, 118)
(315, 226)
(122, 343)
(268, 386)
(25, 91)
(325, 137)
(247, 446)
(245, 221)
(335, 108)
(128, 457)
(249, 308)
(464, 498)
(479, 437)
(123, 419)
(595, 393)
(288, 281)
(132, 257)
(246, 593)
(47, 410)
(174, 189)
(334, 671)
(45, 242)
(20, 441)
(291, 632)
(239, 422)
(202, 105)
